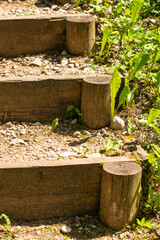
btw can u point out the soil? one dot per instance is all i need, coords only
(24, 141)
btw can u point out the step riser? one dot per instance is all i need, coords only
(39, 99)
(20, 36)
(27, 35)
(39, 190)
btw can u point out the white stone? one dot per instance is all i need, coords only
(55, 7)
(64, 62)
(17, 141)
(37, 62)
(117, 123)
(65, 229)
(76, 134)
(71, 65)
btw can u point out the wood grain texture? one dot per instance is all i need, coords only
(38, 99)
(80, 34)
(120, 193)
(96, 102)
(21, 35)
(53, 191)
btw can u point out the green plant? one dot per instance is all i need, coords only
(54, 123)
(115, 84)
(110, 146)
(144, 223)
(150, 122)
(73, 112)
(7, 226)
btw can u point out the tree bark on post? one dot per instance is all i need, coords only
(96, 101)
(80, 34)
(120, 193)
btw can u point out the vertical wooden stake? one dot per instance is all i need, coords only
(96, 102)
(80, 34)
(120, 193)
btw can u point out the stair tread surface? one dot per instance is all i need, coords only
(33, 7)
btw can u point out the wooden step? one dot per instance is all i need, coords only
(30, 34)
(46, 189)
(44, 98)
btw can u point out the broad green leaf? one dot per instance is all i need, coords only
(141, 60)
(106, 35)
(153, 114)
(157, 200)
(123, 96)
(143, 221)
(138, 222)
(54, 123)
(69, 108)
(135, 9)
(156, 149)
(119, 8)
(158, 165)
(7, 225)
(148, 224)
(156, 129)
(108, 145)
(151, 158)
(157, 55)
(158, 82)
(96, 7)
(127, 12)
(115, 84)
(126, 81)
(116, 145)
(155, 59)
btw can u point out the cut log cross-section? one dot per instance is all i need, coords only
(95, 101)
(80, 34)
(120, 192)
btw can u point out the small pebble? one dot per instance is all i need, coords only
(63, 53)
(76, 134)
(65, 229)
(106, 134)
(59, 70)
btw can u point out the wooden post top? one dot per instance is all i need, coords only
(122, 169)
(84, 18)
(98, 79)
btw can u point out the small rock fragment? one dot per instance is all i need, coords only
(55, 8)
(71, 65)
(76, 134)
(58, 70)
(37, 62)
(106, 134)
(65, 229)
(63, 53)
(8, 124)
(64, 62)
(17, 141)
(117, 123)
(74, 121)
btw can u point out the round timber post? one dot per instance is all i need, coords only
(96, 101)
(80, 34)
(120, 193)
